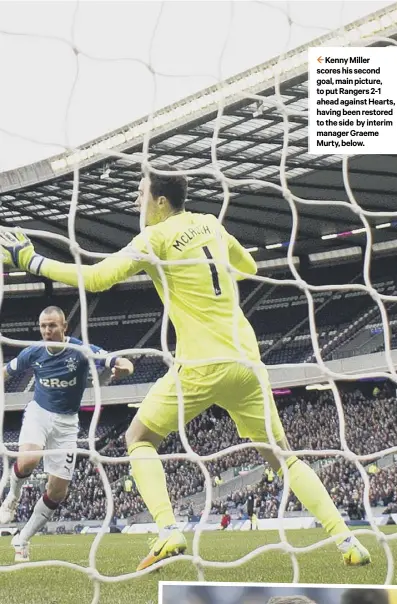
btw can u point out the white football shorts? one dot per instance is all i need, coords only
(51, 431)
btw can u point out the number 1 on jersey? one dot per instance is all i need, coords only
(214, 272)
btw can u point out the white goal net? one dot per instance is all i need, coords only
(264, 86)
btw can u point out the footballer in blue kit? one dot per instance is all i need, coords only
(50, 419)
(60, 376)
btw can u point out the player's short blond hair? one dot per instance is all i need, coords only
(54, 309)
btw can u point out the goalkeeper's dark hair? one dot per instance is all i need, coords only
(365, 596)
(173, 187)
(290, 600)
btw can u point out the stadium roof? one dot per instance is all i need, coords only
(249, 146)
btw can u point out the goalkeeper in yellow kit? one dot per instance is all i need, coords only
(208, 360)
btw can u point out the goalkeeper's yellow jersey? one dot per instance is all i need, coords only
(202, 296)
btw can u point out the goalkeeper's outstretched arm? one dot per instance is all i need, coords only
(18, 251)
(97, 277)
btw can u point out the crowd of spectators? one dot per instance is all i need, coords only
(311, 422)
(267, 495)
(369, 428)
(346, 494)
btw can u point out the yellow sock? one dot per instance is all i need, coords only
(149, 478)
(311, 492)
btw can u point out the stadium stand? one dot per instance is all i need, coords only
(123, 318)
(348, 323)
(310, 421)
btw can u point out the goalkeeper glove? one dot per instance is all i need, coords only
(18, 251)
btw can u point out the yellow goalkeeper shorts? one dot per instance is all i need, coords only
(231, 385)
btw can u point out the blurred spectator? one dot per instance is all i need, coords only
(311, 422)
(225, 521)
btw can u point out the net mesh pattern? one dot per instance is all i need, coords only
(214, 170)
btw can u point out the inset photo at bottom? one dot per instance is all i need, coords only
(220, 593)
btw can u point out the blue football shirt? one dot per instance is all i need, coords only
(60, 378)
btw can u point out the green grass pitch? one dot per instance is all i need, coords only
(119, 554)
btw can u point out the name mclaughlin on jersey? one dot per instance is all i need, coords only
(190, 234)
(57, 383)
